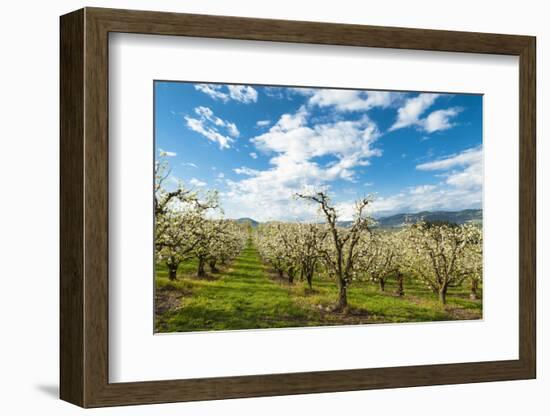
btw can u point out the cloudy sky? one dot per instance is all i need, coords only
(259, 145)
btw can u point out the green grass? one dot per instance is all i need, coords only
(246, 295)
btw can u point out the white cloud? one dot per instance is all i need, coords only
(463, 170)
(233, 130)
(198, 183)
(465, 158)
(421, 189)
(254, 155)
(241, 93)
(167, 153)
(210, 133)
(291, 138)
(207, 114)
(440, 119)
(460, 188)
(213, 90)
(305, 91)
(426, 198)
(345, 210)
(275, 92)
(221, 175)
(209, 125)
(243, 170)
(351, 100)
(189, 164)
(295, 148)
(409, 114)
(263, 123)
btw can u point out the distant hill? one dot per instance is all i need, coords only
(474, 216)
(246, 220)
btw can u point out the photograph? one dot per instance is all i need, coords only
(307, 206)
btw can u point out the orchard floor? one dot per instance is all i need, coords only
(247, 295)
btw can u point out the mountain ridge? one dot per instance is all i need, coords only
(458, 217)
(248, 220)
(399, 220)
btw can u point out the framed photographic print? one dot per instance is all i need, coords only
(256, 207)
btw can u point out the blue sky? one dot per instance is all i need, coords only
(259, 145)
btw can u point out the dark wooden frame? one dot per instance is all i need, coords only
(84, 207)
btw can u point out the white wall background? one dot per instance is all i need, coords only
(29, 211)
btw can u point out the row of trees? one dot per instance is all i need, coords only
(292, 249)
(188, 225)
(440, 256)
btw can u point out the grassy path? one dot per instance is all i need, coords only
(242, 297)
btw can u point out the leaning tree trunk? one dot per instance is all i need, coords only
(400, 291)
(173, 271)
(473, 289)
(200, 271)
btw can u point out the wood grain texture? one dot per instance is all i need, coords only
(71, 158)
(96, 207)
(178, 24)
(84, 207)
(527, 208)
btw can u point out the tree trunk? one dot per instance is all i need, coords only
(342, 304)
(443, 295)
(309, 278)
(290, 274)
(400, 291)
(173, 271)
(473, 290)
(280, 273)
(213, 268)
(201, 272)
(382, 283)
